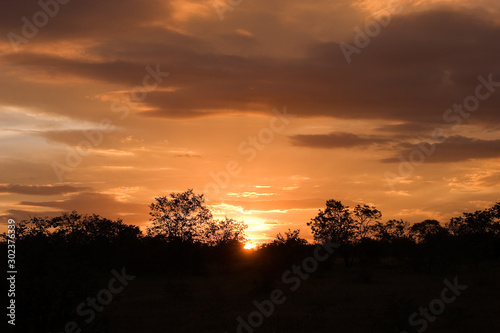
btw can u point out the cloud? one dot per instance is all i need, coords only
(418, 67)
(269, 205)
(20, 215)
(404, 128)
(110, 205)
(253, 195)
(337, 140)
(475, 180)
(455, 149)
(40, 189)
(79, 19)
(419, 55)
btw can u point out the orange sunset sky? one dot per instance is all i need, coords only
(229, 66)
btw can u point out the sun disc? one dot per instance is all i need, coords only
(249, 246)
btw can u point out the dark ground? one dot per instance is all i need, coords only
(378, 298)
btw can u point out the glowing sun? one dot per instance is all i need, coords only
(249, 246)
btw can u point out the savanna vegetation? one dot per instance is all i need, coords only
(191, 273)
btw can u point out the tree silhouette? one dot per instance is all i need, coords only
(335, 223)
(427, 230)
(291, 238)
(495, 211)
(77, 229)
(478, 233)
(71, 255)
(67, 255)
(364, 215)
(481, 222)
(225, 232)
(391, 231)
(179, 217)
(338, 224)
(35, 227)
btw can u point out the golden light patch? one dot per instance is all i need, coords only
(122, 194)
(249, 246)
(187, 10)
(252, 195)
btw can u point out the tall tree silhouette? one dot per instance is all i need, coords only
(334, 223)
(338, 224)
(364, 216)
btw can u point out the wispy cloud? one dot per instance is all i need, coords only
(40, 189)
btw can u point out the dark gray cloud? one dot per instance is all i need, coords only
(338, 140)
(84, 18)
(455, 149)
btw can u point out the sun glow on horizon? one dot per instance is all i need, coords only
(249, 246)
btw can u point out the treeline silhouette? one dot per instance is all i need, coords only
(65, 259)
